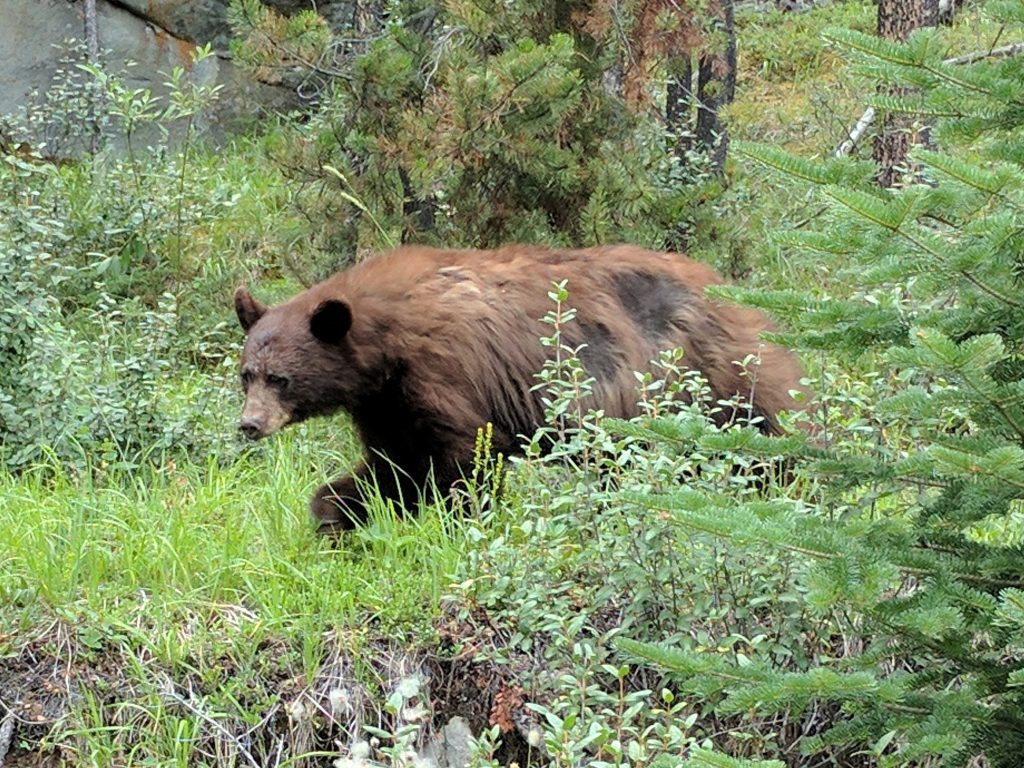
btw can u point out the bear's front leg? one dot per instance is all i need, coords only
(338, 505)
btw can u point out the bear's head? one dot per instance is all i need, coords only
(297, 361)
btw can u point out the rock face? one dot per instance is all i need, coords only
(206, 20)
(156, 35)
(194, 20)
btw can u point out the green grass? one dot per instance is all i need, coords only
(180, 546)
(125, 597)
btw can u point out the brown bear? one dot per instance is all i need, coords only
(423, 346)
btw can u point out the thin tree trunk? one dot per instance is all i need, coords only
(92, 39)
(92, 45)
(896, 20)
(716, 84)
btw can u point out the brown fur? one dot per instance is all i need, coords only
(423, 346)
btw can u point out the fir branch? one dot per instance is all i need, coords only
(702, 515)
(856, 133)
(688, 663)
(914, 106)
(942, 259)
(927, 340)
(992, 183)
(872, 45)
(789, 164)
(942, 72)
(867, 206)
(962, 171)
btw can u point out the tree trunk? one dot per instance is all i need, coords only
(679, 104)
(92, 39)
(929, 13)
(92, 44)
(716, 83)
(896, 20)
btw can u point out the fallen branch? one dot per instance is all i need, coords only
(868, 117)
(1004, 52)
(858, 130)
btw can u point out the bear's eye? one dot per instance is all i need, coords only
(277, 382)
(247, 378)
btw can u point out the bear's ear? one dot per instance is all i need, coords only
(248, 309)
(330, 321)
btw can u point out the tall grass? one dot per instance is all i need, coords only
(185, 545)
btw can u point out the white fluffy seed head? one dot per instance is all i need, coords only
(341, 701)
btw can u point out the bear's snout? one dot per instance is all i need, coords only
(264, 413)
(252, 428)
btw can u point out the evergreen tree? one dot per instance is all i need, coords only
(484, 123)
(916, 536)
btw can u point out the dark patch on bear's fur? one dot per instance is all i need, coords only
(601, 356)
(651, 300)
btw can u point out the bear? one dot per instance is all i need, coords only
(423, 346)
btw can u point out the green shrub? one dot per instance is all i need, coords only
(570, 559)
(97, 372)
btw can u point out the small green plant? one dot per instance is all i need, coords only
(563, 381)
(483, 491)
(603, 566)
(68, 118)
(596, 717)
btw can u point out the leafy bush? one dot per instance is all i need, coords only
(575, 557)
(97, 372)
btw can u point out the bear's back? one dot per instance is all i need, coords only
(467, 325)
